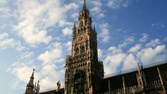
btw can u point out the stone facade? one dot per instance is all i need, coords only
(83, 71)
(148, 80)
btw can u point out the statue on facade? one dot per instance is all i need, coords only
(58, 85)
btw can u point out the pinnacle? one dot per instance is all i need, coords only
(84, 5)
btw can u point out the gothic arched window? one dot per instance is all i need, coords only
(77, 50)
(82, 48)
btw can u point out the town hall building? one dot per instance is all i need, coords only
(84, 73)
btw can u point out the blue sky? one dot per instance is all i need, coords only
(37, 34)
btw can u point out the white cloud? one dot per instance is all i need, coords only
(116, 58)
(7, 42)
(19, 46)
(54, 55)
(63, 23)
(97, 3)
(118, 3)
(126, 42)
(68, 46)
(6, 13)
(26, 55)
(45, 83)
(51, 56)
(48, 74)
(148, 54)
(153, 43)
(48, 83)
(3, 35)
(2, 1)
(144, 37)
(67, 31)
(158, 25)
(135, 48)
(75, 15)
(114, 50)
(21, 70)
(97, 9)
(104, 35)
(129, 62)
(100, 54)
(35, 17)
(72, 6)
(111, 62)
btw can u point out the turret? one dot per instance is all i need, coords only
(37, 88)
(140, 77)
(31, 87)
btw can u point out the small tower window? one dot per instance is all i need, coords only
(77, 50)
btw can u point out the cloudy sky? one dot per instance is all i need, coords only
(37, 34)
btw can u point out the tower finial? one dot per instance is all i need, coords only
(38, 87)
(33, 73)
(33, 70)
(84, 5)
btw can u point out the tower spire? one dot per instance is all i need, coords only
(84, 5)
(30, 85)
(32, 78)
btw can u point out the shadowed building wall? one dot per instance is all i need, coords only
(154, 82)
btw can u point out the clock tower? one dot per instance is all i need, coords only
(83, 73)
